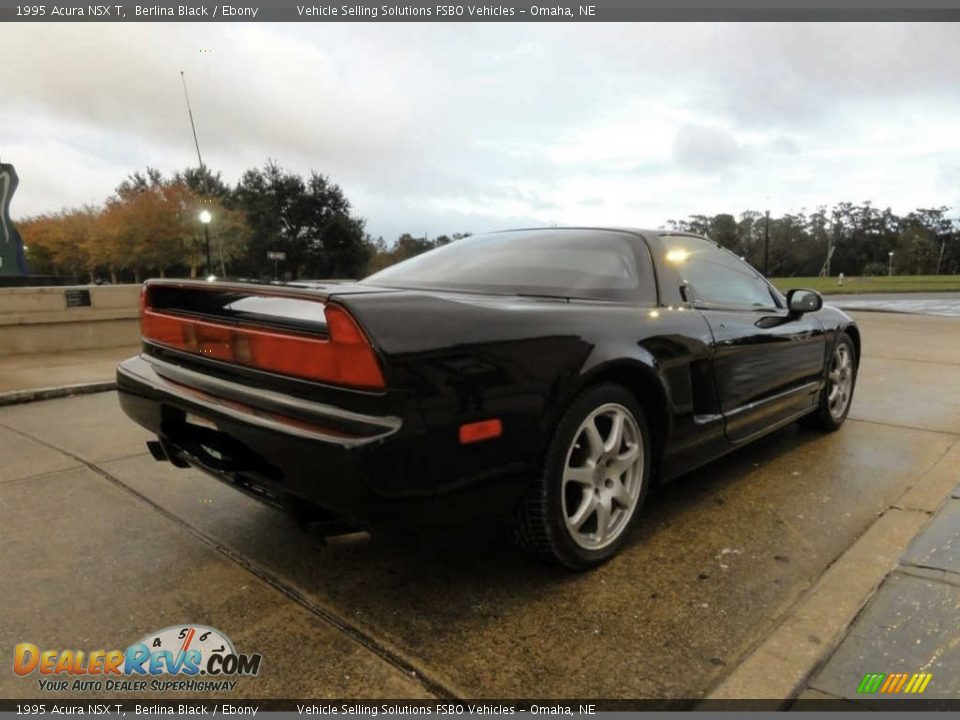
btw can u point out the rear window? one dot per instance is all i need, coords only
(587, 264)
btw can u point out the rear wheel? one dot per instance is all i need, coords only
(579, 512)
(837, 393)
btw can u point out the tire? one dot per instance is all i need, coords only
(579, 512)
(832, 409)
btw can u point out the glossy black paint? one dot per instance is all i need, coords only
(709, 380)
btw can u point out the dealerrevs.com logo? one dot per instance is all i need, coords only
(177, 658)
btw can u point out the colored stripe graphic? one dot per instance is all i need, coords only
(894, 683)
(914, 682)
(871, 682)
(900, 684)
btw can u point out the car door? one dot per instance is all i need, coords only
(767, 362)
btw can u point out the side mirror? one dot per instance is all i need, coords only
(800, 301)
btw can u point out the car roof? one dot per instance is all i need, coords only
(647, 232)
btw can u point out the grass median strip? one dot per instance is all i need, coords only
(853, 285)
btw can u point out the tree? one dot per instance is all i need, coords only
(723, 229)
(309, 220)
(44, 237)
(146, 225)
(204, 183)
(405, 247)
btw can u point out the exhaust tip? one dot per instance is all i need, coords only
(156, 449)
(163, 451)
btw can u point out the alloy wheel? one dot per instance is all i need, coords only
(602, 476)
(841, 381)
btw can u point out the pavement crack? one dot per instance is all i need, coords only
(39, 476)
(903, 427)
(391, 656)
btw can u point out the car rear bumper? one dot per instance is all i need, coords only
(295, 453)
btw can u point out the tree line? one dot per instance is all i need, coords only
(405, 247)
(923, 242)
(151, 226)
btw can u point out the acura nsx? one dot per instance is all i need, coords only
(544, 376)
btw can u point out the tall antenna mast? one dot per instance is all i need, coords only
(190, 113)
(205, 215)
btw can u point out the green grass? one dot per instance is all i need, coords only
(883, 284)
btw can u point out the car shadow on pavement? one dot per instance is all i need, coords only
(468, 548)
(393, 566)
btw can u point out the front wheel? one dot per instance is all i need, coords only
(579, 512)
(837, 393)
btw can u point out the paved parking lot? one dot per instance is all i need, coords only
(105, 545)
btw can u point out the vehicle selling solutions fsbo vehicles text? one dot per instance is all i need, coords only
(389, 11)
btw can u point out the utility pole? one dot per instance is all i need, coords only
(766, 245)
(943, 244)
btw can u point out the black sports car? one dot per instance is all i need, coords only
(547, 376)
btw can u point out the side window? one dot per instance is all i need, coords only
(716, 276)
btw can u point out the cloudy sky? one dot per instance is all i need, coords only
(440, 128)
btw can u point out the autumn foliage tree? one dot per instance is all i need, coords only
(149, 226)
(60, 242)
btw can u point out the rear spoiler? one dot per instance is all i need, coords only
(284, 330)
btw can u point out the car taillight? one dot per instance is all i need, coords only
(344, 358)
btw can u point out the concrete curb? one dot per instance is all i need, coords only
(15, 397)
(784, 662)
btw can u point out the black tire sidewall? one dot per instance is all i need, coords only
(564, 546)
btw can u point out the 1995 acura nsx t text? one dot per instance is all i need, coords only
(548, 376)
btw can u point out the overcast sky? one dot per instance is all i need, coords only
(440, 128)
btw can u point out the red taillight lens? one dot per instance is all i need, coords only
(355, 362)
(346, 358)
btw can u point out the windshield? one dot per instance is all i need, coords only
(593, 264)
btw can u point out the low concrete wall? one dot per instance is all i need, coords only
(38, 320)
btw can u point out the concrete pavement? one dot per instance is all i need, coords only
(113, 544)
(27, 377)
(911, 626)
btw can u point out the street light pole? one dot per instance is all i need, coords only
(205, 218)
(890, 264)
(206, 244)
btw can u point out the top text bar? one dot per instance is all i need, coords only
(503, 11)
